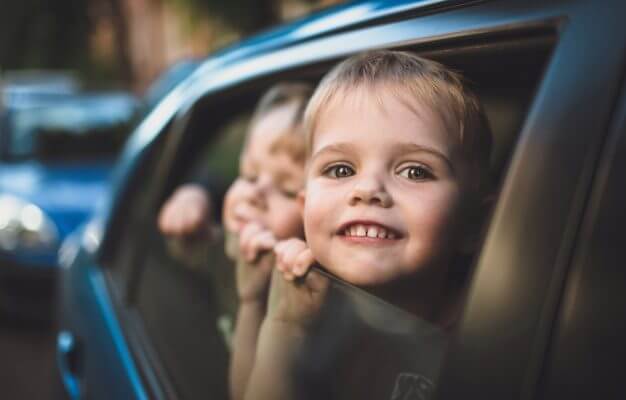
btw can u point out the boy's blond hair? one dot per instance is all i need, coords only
(414, 80)
(296, 94)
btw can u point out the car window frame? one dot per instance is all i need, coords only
(593, 283)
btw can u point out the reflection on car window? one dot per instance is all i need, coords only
(360, 347)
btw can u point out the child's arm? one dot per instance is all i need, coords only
(295, 299)
(252, 276)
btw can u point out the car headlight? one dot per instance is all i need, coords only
(23, 225)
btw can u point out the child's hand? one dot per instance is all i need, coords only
(295, 295)
(186, 212)
(256, 262)
(254, 239)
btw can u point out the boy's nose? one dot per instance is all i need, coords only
(257, 194)
(371, 192)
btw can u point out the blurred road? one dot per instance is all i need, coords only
(26, 361)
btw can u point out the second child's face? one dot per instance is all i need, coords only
(384, 190)
(265, 192)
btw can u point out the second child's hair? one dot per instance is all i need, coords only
(294, 94)
(414, 81)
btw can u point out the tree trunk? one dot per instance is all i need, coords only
(120, 27)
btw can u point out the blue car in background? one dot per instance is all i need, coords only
(57, 148)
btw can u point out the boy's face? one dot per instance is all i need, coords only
(269, 180)
(384, 190)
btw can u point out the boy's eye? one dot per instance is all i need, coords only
(250, 178)
(339, 171)
(415, 173)
(292, 194)
(288, 192)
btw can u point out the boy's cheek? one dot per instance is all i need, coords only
(300, 199)
(286, 221)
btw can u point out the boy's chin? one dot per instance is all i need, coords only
(363, 274)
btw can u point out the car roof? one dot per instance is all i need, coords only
(332, 20)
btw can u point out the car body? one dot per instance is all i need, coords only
(168, 80)
(50, 182)
(545, 306)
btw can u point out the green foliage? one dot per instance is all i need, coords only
(43, 34)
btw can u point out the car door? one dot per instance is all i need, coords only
(532, 64)
(586, 350)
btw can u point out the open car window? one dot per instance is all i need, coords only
(181, 297)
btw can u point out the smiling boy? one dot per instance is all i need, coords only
(396, 186)
(396, 180)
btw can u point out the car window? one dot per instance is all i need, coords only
(184, 296)
(357, 336)
(130, 220)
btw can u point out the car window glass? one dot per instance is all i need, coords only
(129, 219)
(185, 297)
(356, 336)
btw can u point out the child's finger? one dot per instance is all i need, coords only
(303, 262)
(247, 233)
(262, 241)
(279, 246)
(288, 275)
(248, 230)
(266, 241)
(289, 255)
(244, 212)
(168, 221)
(279, 250)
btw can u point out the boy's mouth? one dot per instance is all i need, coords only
(366, 229)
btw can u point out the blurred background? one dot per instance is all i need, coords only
(128, 43)
(75, 77)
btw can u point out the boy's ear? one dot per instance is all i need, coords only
(300, 199)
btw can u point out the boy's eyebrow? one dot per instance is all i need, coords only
(414, 148)
(338, 147)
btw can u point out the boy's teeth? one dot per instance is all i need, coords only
(372, 232)
(360, 230)
(369, 231)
